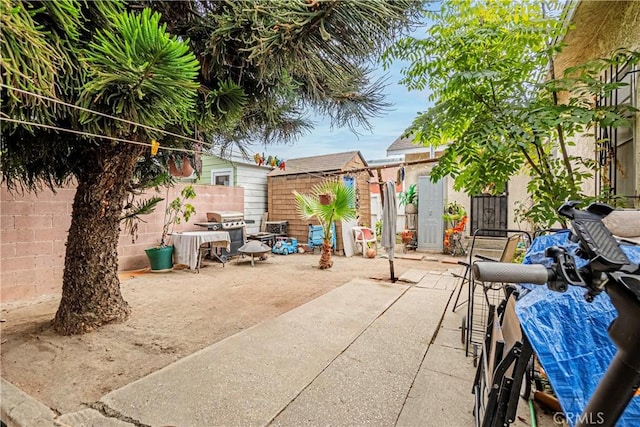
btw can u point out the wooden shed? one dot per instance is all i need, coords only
(302, 175)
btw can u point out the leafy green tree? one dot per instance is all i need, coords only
(256, 68)
(498, 103)
(132, 68)
(340, 206)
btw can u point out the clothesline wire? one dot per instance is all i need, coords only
(112, 138)
(66, 104)
(57, 101)
(183, 150)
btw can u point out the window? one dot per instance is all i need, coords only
(222, 177)
(350, 181)
(616, 148)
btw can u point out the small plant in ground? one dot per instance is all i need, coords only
(379, 228)
(176, 211)
(339, 208)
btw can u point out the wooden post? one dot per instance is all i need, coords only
(380, 185)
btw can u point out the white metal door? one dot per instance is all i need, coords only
(430, 210)
(376, 209)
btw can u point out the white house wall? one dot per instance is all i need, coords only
(252, 178)
(517, 190)
(254, 181)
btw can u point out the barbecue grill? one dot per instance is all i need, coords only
(230, 221)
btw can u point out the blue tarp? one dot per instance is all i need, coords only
(569, 335)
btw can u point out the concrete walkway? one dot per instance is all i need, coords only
(366, 353)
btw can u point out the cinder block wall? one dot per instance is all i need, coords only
(33, 234)
(282, 203)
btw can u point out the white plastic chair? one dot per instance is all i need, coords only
(364, 236)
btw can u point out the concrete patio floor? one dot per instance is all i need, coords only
(366, 353)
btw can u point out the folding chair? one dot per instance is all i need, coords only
(364, 236)
(508, 253)
(316, 236)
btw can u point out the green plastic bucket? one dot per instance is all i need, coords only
(160, 258)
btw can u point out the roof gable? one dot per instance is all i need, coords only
(401, 143)
(324, 163)
(405, 145)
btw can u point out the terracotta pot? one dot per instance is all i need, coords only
(407, 236)
(187, 169)
(173, 170)
(184, 172)
(325, 199)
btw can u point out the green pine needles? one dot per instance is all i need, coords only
(138, 70)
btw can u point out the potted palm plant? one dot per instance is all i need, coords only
(340, 206)
(176, 210)
(408, 199)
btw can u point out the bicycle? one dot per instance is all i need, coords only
(608, 269)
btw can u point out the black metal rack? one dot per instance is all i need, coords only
(482, 296)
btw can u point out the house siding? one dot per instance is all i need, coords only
(254, 181)
(252, 178)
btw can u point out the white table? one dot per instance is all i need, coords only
(187, 245)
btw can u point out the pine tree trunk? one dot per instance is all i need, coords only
(91, 288)
(325, 256)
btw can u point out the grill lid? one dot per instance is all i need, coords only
(225, 216)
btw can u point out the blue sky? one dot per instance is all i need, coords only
(372, 145)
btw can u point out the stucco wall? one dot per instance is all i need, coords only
(601, 28)
(517, 189)
(33, 233)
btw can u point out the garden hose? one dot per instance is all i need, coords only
(532, 414)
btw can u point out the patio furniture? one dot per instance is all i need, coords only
(363, 236)
(253, 248)
(278, 228)
(187, 246)
(508, 252)
(316, 236)
(268, 239)
(482, 295)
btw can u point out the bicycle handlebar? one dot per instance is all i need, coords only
(608, 268)
(512, 273)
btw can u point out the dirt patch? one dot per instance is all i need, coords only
(173, 315)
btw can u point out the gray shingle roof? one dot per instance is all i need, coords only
(324, 163)
(403, 144)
